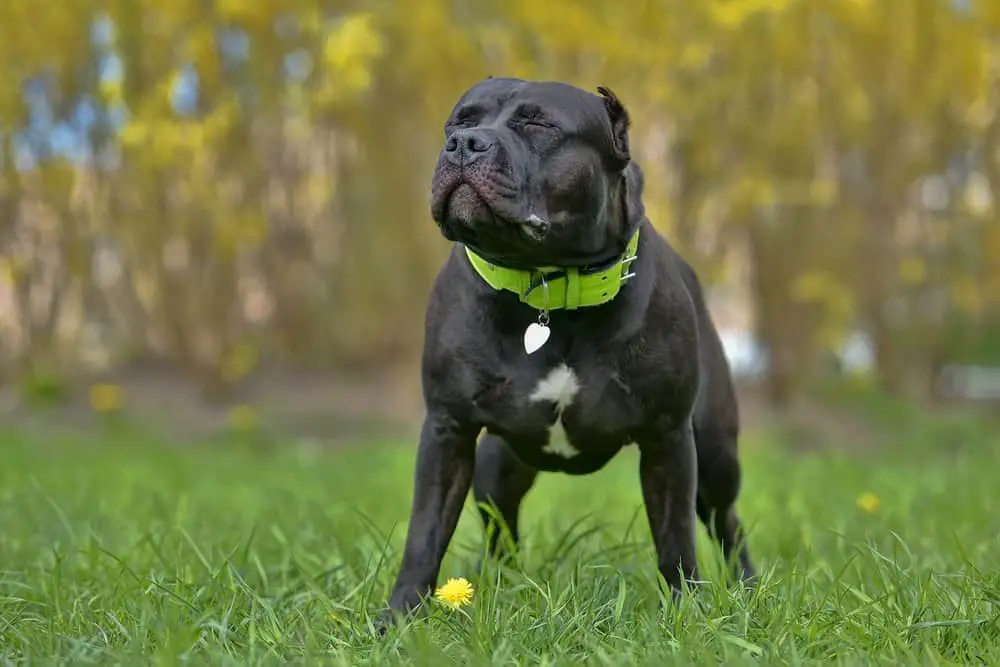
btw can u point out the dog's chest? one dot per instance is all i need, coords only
(558, 388)
(560, 416)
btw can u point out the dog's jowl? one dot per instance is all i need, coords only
(562, 308)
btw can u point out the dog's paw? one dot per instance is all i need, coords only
(386, 620)
(750, 578)
(689, 599)
(403, 605)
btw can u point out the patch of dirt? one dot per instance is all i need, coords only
(339, 408)
(288, 403)
(808, 425)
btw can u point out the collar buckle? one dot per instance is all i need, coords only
(625, 262)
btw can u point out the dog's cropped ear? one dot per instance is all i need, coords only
(619, 125)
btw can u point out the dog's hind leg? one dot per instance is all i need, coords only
(500, 483)
(719, 476)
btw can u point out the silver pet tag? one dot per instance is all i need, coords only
(535, 336)
(538, 332)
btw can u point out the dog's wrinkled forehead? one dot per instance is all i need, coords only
(573, 110)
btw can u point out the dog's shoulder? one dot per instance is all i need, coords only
(673, 281)
(680, 280)
(672, 313)
(453, 318)
(450, 292)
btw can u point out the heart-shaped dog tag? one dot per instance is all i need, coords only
(535, 336)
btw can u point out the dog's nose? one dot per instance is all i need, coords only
(466, 146)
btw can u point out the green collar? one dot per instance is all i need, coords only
(567, 288)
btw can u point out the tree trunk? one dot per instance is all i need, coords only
(768, 283)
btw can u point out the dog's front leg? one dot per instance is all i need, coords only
(445, 463)
(668, 471)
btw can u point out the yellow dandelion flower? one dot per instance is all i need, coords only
(106, 398)
(243, 418)
(456, 592)
(868, 502)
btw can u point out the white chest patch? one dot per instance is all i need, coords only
(559, 386)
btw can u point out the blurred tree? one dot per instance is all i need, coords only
(227, 182)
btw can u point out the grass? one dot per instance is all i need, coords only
(120, 550)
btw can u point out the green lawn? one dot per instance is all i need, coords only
(120, 550)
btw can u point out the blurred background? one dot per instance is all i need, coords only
(214, 214)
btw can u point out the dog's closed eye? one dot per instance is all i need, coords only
(467, 116)
(531, 115)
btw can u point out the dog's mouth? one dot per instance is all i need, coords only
(481, 216)
(464, 198)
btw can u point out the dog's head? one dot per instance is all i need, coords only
(537, 174)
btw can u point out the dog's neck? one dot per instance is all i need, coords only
(560, 288)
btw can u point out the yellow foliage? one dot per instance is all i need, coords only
(106, 398)
(355, 41)
(810, 287)
(236, 232)
(858, 105)
(134, 134)
(349, 53)
(912, 271)
(695, 55)
(755, 191)
(561, 24)
(111, 90)
(202, 49)
(988, 11)
(967, 295)
(732, 13)
(760, 99)
(236, 10)
(821, 287)
(823, 191)
(6, 272)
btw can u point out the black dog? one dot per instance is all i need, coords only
(561, 304)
